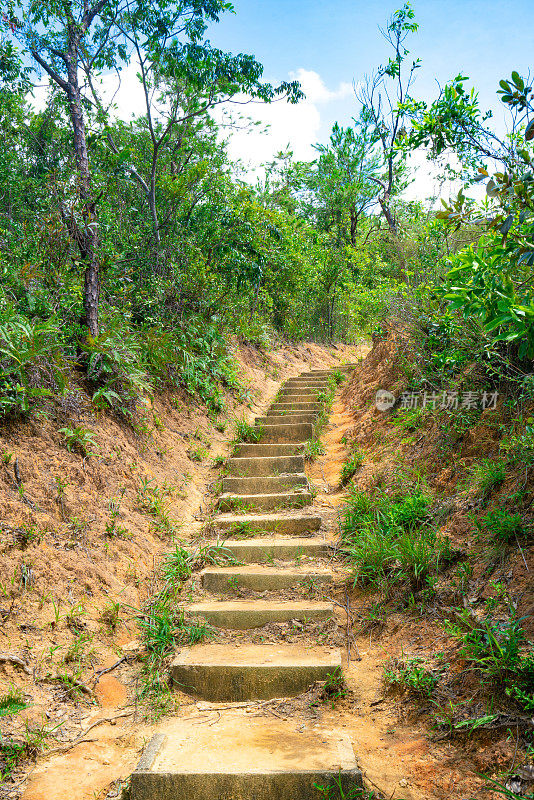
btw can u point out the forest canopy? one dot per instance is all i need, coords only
(133, 250)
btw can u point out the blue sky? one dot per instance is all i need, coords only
(331, 44)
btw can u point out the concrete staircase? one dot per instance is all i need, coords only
(282, 548)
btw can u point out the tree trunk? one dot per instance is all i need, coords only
(86, 237)
(353, 226)
(390, 218)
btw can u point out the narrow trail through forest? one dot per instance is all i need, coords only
(284, 556)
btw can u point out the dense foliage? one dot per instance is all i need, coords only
(131, 252)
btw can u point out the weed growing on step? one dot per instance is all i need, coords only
(178, 565)
(334, 688)
(163, 627)
(218, 462)
(335, 791)
(198, 454)
(313, 448)
(246, 432)
(338, 376)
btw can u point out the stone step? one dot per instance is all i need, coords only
(287, 433)
(263, 484)
(298, 391)
(244, 757)
(300, 405)
(305, 379)
(312, 384)
(256, 551)
(264, 450)
(225, 673)
(257, 524)
(225, 580)
(264, 466)
(245, 614)
(287, 419)
(263, 502)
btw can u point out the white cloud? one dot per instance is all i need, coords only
(295, 126)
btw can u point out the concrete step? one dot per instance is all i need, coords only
(265, 450)
(257, 524)
(287, 419)
(298, 391)
(263, 484)
(225, 673)
(256, 551)
(312, 384)
(286, 434)
(244, 757)
(263, 502)
(225, 580)
(264, 466)
(300, 405)
(306, 381)
(245, 614)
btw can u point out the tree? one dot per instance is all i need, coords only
(72, 41)
(344, 179)
(385, 96)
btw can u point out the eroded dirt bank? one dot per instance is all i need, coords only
(454, 737)
(81, 539)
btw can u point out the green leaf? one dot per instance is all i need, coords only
(529, 133)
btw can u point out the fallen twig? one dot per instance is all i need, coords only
(81, 736)
(109, 669)
(11, 659)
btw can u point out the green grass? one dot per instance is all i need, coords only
(392, 540)
(486, 477)
(409, 675)
(351, 466)
(12, 702)
(502, 527)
